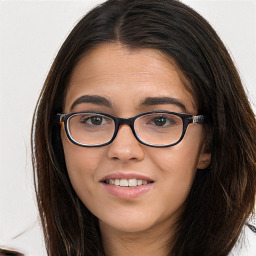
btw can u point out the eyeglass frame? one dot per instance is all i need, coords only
(186, 119)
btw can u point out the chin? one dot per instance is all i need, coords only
(127, 226)
(129, 222)
(140, 220)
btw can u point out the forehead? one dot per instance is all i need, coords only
(113, 69)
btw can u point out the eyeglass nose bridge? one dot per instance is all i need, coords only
(124, 121)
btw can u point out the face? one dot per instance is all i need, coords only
(126, 79)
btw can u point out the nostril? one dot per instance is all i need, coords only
(125, 146)
(125, 151)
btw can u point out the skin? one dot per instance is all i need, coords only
(144, 225)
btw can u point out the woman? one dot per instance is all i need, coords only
(143, 138)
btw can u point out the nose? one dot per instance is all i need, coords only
(125, 146)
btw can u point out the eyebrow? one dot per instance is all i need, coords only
(150, 101)
(94, 99)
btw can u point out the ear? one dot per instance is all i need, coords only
(204, 159)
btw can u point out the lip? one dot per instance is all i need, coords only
(127, 193)
(126, 175)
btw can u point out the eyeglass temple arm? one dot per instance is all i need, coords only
(60, 117)
(199, 119)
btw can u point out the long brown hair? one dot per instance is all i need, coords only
(222, 196)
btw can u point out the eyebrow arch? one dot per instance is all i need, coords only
(150, 101)
(94, 99)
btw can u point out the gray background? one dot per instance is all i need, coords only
(31, 32)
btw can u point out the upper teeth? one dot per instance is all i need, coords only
(126, 182)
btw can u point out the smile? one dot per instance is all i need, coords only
(127, 185)
(127, 182)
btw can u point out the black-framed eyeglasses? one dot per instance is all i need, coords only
(154, 128)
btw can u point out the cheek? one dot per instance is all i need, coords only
(178, 172)
(180, 160)
(81, 164)
(178, 165)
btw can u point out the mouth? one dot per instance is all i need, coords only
(134, 182)
(127, 186)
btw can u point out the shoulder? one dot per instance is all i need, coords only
(246, 245)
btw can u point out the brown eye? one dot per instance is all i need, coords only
(96, 120)
(160, 121)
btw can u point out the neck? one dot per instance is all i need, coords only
(151, 242)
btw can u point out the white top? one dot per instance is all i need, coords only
(246, 245)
